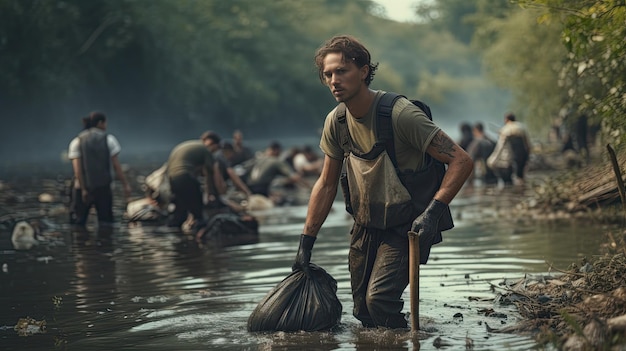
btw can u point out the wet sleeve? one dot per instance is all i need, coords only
(415, 128)
(330, 143)
(113, 144)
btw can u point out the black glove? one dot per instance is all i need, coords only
(426, 225)
(303, 258)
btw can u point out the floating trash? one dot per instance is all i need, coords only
(29, 326)
(23, 236)
(46, 198)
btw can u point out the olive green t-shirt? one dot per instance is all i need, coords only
(412, 132)
(189, 157)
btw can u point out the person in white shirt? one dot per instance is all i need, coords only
(93, 153)
(307, 162)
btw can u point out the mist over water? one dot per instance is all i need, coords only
(35, 142)
(48, 145)
(153, 144)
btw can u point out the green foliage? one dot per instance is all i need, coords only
(450, 15)
(170, 69)
(43, 54)
(526, 57)
(226, 59)
(594, 74)
(209, 63)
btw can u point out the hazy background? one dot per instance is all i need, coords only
(164, 71)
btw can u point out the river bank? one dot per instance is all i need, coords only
(582, 307)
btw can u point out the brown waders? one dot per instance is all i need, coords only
(379, 271)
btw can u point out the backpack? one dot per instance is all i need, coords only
(422, 184)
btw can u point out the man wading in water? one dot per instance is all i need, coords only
(378, 258)
(93, 153)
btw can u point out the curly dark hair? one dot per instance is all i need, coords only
(351, 49)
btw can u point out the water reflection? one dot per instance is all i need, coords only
(95, 275)
(133, 288)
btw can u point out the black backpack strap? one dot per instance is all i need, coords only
(423, 107)
(384, 128)
(344, 134)
(427, 158)
(384, 125)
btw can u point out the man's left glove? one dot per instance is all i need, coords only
(303, 258)
(426, 224)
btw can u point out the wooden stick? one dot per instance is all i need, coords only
(414, 279)
(618, 175)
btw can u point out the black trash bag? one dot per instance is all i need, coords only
(229, 225)
(299, 303)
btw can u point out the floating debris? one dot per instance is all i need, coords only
(581, 308)
(29, 326)
(45, 259)
(57, 301)
(23, 236)
(46, 198)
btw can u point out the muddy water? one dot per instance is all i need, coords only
(135, 289)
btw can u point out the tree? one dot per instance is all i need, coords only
(526, 57)
(166, 70)
(594, 76)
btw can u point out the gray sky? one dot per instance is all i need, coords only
(400, 10)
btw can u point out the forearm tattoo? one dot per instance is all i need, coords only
(443, 144)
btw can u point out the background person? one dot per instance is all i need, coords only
(512, 151)
(242, 153)
(212, 141)
(467, 136)
(307, 162)
(186, 163)
(268, 167)
(479, 150)
(93, 152)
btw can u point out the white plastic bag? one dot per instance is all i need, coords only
(158, 182)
